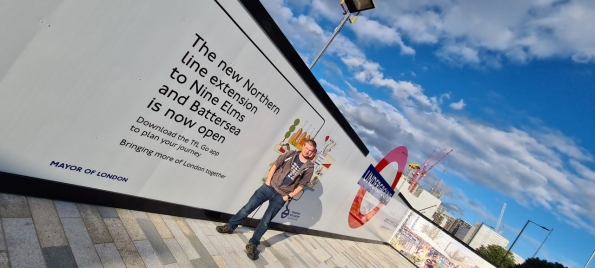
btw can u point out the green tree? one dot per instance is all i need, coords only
(538, 263)
(494, 254)
(438, 218)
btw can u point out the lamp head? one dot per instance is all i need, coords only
(542, 227)
(359, 5)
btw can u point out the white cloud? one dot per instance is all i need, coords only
(458, 54)
(403, 91)
(328, 85)
(329, 10)
(454, 209)
(582, 58)
(443, 97)
(470, 32)
(523, 165)
(463, 32)
(530, 166)
(373, 32)
(573, 24)
(582, 170)
(428, 32)
(459, 105)
(558, 141)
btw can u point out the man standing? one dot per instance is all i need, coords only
(286, 179)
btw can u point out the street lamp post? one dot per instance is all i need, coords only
(353, 6)
(589, 261)
(517, 237)
(548, 235)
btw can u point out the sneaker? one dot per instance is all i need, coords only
(224, 229)
(251, 251)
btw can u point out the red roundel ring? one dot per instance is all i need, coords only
(356, 218)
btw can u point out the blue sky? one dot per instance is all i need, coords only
(508, 85)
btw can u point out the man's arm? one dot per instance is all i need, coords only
(303, 181)
(270, 175)
(294, 193)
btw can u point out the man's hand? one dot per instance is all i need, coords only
(285, 197)
(270, 175)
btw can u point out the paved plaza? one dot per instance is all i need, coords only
(49, 233)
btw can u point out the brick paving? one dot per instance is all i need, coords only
(38, 232)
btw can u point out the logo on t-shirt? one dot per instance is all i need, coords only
(295, 167)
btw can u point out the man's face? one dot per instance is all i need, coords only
(307, 150)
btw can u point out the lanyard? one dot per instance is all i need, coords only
(287, 204)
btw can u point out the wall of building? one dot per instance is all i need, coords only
(425, 203)
(485, 236)
(448, 222)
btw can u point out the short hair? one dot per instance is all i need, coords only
(311, 142)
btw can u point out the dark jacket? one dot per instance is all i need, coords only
(283, 164)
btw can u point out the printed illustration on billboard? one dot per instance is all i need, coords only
(426, 245)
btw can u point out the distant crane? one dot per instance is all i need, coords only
(419, 173)
(500, 220)
(436, 187)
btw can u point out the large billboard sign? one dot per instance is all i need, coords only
(185, 102)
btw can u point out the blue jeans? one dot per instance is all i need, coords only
(261, 195)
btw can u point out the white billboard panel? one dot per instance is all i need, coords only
(186, 102)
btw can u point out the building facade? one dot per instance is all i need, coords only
(460, 228)
(481, 234)
(421, 200)
(447, 222)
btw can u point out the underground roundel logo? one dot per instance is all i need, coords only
(373, 183)
(285, 213)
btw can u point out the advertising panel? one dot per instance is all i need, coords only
(185, 102)
(426, 245)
